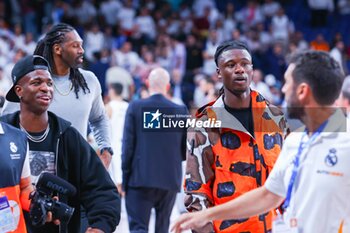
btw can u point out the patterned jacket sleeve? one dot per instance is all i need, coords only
(199, 173)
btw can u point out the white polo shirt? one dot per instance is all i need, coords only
(321, 194)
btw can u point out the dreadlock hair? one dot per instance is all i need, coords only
(57, 35)
(228, 45)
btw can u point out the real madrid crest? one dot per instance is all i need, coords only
(13, 147)
(331, 158)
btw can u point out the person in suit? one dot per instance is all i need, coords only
(151, 156)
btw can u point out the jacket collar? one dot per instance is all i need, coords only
(219, 112)
(157, 96)
(216, 111)
(13, 120)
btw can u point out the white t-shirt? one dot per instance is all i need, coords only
(320, 196)
(26, 168)
(117, 126)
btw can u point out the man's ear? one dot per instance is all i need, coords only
(303, 92)
(168, 86)
(218, 72)
(57, 49)
(19, 91)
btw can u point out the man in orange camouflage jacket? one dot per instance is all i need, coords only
(223, 163)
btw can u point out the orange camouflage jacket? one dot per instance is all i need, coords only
(223, 163)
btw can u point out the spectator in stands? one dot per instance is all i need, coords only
(126, 58)
(230, 21)
(338, 54)
(94, 41)
(319, 44)
(250, 15)
(178, 54)
(99, 67)
(109, 10)
(144, 28)
(211, 44)
(260, 86)
(270, 8)
(83, 12)
(281, 26)
(126, 16)
(275, 60)
(319, 11)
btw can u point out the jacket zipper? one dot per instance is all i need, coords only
(60, 230)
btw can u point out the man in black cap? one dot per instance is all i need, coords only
(64, 150)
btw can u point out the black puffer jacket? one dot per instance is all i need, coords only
(78, 163)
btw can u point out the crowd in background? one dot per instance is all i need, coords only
(125, 39)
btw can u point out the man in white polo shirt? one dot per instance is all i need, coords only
(312, 172)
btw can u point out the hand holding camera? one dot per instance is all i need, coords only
(43, 200)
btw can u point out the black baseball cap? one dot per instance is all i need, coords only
(23, 67)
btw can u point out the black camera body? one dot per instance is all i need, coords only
(47, 186)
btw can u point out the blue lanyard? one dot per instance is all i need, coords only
(301, 147)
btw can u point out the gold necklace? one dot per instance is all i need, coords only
(61, 93)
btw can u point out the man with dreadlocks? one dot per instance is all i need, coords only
(223, 163)
(78, 91)
(57, 148)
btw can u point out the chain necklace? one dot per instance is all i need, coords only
(39, 138)
(62, 93)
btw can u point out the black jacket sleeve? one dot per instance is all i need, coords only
(129, 143)
(98, 193)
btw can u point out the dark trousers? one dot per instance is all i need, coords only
(139, 203)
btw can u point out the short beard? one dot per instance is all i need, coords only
(295, 112)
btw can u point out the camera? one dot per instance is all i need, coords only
(42, 200)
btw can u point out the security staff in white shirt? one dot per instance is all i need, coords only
(312, 172)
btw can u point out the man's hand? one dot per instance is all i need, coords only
(195, 220)
(120, 190)
(50, 219)
(106, 158)
(93, 230)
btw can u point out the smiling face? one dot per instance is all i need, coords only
(235, 68)
(35, 90)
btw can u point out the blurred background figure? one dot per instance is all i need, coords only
(151, 160)
(116, 110)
